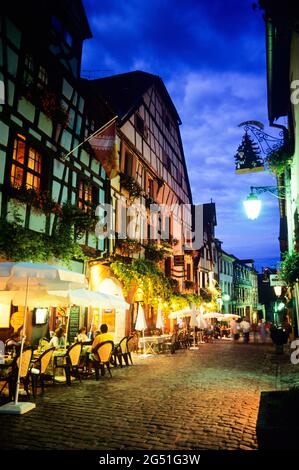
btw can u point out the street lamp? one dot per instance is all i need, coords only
(253, 204)
(277, 290)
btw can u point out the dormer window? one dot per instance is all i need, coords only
(59, 28)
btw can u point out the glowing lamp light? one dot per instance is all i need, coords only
(252, 206)
(226, 297)
(277, 290)
(281, 306)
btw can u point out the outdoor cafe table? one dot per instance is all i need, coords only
(6, 362)
(153, 344)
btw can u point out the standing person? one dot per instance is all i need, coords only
(262, 330)
(255, 330)
(246, 327)
(287, 327)
(174, 339)
(234, 330)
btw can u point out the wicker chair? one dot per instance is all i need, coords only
(11, 376)
(132, 345)
(121, 352)
(38, 370)
(72, 361)
(102, 356)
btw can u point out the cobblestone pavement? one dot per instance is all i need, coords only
(195, 399)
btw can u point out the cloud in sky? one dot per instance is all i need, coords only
(211, 56)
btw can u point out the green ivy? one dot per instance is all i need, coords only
(147, 275)
(290, 268)
(41, 201)
(129, 183)
(81, 220)
(154, 253)
(127, 247)
(279, 159)
(37, 247)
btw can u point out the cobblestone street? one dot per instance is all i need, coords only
(194, 399)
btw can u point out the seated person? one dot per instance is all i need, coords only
(102, 336)
(58, 340)
(82, 336)
(15, 341)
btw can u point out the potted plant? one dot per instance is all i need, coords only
(279, 337)
(279, 159)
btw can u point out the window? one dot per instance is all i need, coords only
(56, 23)
(128, 167)
(68, 38)
(166, 160)
(59, 28)
(139, 123)
(28, 69)
(150, 187)
(42, 78)
(188, 275)
(85, 195)
(179, 177)
(26, 165)
(167, 266)
(139, 173)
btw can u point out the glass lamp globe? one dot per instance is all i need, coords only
(277, 290)
(252, 206)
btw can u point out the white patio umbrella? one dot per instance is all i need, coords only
(228, 317)
(141, 324)
(160, 319)
(39, 298)
(212, 315)
(30, 277)
(193, 324)
(202, 324)
(84, 297)
(185, 312)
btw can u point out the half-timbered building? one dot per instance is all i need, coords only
(152, 169)
(48, 187)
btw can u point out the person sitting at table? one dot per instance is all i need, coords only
(82, 336)
(101, 337)
(58, 340)
(14, 342)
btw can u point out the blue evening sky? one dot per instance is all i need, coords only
(211, 56)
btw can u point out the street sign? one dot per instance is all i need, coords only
(276, 281)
